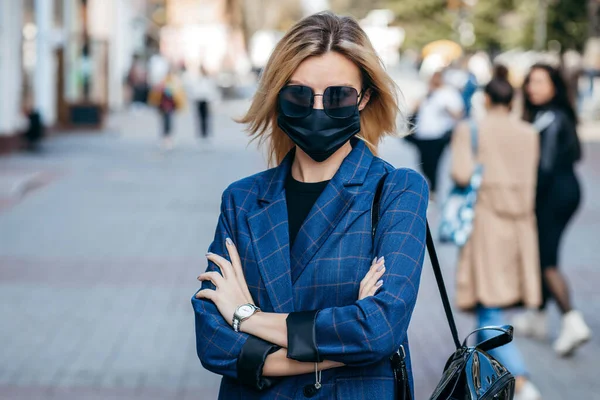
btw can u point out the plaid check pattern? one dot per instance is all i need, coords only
(322, 271)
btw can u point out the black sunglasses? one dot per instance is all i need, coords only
(297, 101)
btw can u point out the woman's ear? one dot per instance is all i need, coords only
(364, 99)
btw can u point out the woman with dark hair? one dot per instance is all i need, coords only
(548, 107)
(498, 265)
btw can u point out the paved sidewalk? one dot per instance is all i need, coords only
(98, 265)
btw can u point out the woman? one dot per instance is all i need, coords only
(547, 105)
(296, 242)
(498, 265)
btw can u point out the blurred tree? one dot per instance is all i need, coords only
(428, 20)
(594, 15)
(568, 23)
(356, 8)
(494, 23)
(256, 15)
(423, 20)
(497, 24)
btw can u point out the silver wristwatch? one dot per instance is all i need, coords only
(242, 313)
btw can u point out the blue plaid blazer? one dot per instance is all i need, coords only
(322, 271)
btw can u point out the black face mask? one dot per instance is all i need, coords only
(319, 135)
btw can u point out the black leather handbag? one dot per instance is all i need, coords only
(470, 373)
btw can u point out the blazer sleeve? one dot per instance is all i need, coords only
(220, 349)
(373, 328)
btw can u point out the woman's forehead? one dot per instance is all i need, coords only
(321, 82)
(540, 74)
(329, 69)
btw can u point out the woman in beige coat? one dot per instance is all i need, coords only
(498, 266)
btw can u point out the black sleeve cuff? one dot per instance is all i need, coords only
(251, 362)
(302, 344)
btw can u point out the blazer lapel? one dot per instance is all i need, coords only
(330, 208)
(270, 238)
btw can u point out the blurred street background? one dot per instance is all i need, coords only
(104, 221)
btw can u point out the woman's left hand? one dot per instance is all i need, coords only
(372, 282)
(231, 287)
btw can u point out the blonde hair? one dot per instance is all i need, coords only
(314, 36)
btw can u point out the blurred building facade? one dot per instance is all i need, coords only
(206, 33)
(59, 52)
(10, 75)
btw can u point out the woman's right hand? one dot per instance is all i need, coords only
(372, 280)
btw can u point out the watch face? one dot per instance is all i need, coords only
(245, 311)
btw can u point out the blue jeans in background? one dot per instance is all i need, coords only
(509, 355)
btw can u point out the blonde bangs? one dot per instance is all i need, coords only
(313, 36)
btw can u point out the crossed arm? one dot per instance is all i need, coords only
(232, 291)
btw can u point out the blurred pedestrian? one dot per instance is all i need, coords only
(436, 118)
(498, 265)
(461, 77)
(138, 84)
(202, 91)
(167, 97)
(547, 106)
(35, 129)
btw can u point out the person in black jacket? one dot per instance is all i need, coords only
(548, 107)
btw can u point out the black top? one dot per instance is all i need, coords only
(300, 198)
(559, 148)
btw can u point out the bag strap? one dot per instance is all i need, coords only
(439, 278)
(505, 337)
(432, 255)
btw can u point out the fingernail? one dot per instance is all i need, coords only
(381, 259)
(229, 242)
(382, 267)
(379, 283)
(208, 254)
(198, 277)
(374, 260)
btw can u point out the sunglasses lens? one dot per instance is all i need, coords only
(340, 101)
(295, 101)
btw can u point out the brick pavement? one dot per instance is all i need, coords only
(97, 267)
